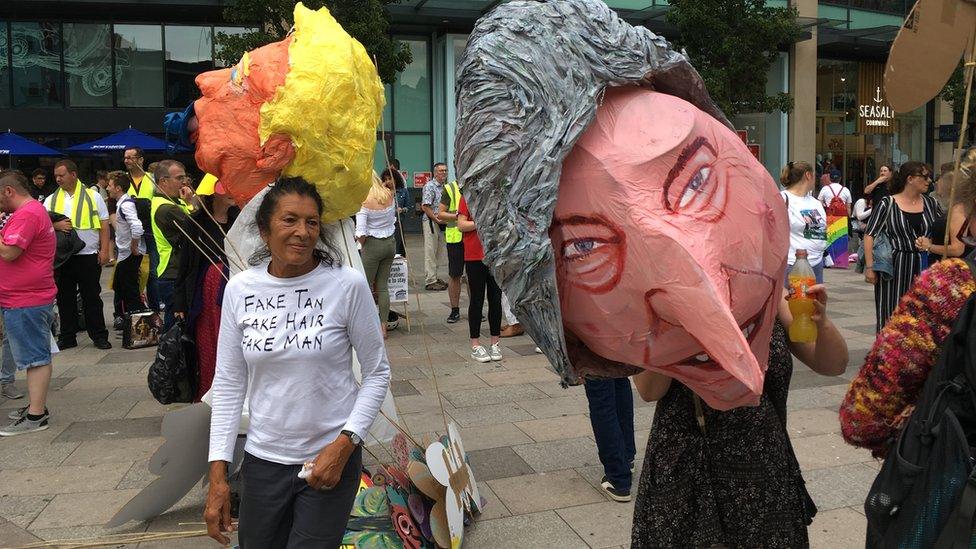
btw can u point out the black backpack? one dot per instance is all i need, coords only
(173, 375)
(925, 494)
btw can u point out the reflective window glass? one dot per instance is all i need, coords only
(36, 52)
(139, 65)
(231, 31)
(88, 64)
(189, 52)
(4, 67)
(412, 102)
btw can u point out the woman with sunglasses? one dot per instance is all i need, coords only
(904, 218)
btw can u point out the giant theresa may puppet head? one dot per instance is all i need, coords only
(630, 227)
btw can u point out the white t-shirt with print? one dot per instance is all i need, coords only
(808, 227)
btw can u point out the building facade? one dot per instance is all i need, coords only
(73, 70)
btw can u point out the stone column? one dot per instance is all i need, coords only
(803, 88)
(943, 151)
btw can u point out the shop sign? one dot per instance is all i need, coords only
(421, 178)
(874, 113)
(948, 133)
(878, 113)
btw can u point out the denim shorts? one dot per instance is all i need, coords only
(28, 331)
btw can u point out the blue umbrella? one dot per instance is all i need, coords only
(12, 144)
(125, 139)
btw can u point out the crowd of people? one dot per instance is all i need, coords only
(169, 247)
(161, 236)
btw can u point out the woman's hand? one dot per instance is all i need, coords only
(330, 462)
(217, 510)
(923, 243)
(870, 276)
(819, 294)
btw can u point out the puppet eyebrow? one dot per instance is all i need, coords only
(682, 162)
(616, 237)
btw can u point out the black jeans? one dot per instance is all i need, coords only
(280, 510)
(480, 281)
(80, 274)
(126, 285)
(612, 417)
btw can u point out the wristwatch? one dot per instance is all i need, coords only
(356, 439)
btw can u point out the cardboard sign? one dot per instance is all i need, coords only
(421, 178)
(399, 292)
(927, 51)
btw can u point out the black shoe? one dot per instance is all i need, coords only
(67, 344)
(455, 316)
(117, 325)
(103, 344)
(623, 496)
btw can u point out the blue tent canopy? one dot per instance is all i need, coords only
(14, 145)
(118, 142)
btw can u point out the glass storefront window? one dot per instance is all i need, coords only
(412, 109)
(856, 135)
(36, 52)
(139, 65)
(4, 67)
(189, 52)
(88, 64)
(413, 152)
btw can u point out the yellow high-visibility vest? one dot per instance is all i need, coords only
(86, 214)
(165, 247)
(452, 235)
(147, 188)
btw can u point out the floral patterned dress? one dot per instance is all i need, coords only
(735, 483)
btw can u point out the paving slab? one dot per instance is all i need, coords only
(543, 530)
(542, 491)
(496, 463)
(81, 431)
(559, 454)
(40, 481)
(830, 450)
(493, 436)
(493, 395)
(600, 524)
(114, 451)
(556, 428)
(837, 529)
(22, 510)
(843, 486)
(476, 416)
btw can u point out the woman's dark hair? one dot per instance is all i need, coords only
(793, 172)
(395, 175)
(326, 251)
(900, 178)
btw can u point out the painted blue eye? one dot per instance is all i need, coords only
(584, 246)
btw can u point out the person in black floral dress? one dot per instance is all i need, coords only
(730, 479)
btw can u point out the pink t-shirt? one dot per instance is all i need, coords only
(28, 281)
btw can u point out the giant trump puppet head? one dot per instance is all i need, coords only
(630, 226)
(305, 106)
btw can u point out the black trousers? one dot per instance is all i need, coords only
(480, 282)
(80, 275)
(126, 284)
(281, 511)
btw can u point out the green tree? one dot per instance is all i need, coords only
(733, 44)
(365, 20)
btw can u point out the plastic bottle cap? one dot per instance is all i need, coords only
(801, 253)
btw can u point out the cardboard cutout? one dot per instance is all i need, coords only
(305, 106)
(670, 242)
(927, 51)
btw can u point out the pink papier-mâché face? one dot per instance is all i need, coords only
(670, 241)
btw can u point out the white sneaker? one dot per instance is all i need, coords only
(496, 353)
(480, 354)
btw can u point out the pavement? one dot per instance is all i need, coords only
(529, 441)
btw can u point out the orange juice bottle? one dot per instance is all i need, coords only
(803, 329)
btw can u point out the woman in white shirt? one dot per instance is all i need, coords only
(287, 332)
(375, 227)
(808, 220)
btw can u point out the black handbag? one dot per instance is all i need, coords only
(173, 376)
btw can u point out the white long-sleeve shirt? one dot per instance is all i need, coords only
(376, 223)
(291, 341)
(128, 227)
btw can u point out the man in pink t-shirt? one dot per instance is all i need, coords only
(27, 292)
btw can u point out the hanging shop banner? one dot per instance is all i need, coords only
(874, 114)
(420, 179)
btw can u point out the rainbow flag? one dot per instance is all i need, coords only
(837, 241)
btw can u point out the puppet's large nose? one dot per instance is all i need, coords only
(685, 291)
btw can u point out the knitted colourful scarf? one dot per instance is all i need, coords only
(883, 394)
